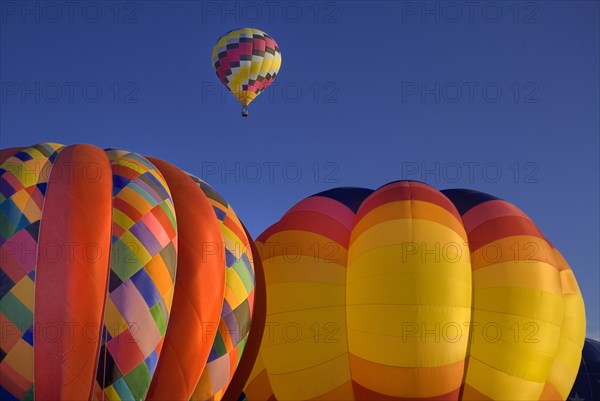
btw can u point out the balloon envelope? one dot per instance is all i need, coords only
(407, 292)
(116, 271)
(246, 61)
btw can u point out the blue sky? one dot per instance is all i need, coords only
(501, 97)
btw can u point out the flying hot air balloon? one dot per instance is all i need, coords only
(409, 293)
(246, 61)
(121, 278)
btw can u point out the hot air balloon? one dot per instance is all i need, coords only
(587, 384)
(409, 293)
(246, 61)
(121, 278)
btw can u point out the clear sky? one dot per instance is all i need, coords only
(501, 97)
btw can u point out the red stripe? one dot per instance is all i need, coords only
(71, 286)
(130, 211)
(312, 222)
(501, 227)
(488, 210)
(229, 223)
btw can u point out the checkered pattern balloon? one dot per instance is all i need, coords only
(246, 61)
(121, 278)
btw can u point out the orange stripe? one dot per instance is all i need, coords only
(408, 210)
(71, 291)
(406, 190)
(259, 388)
(343, 392)
(199, 290)
(512, 249)
(416, 379)
(313, 222)
(549, 393)
(362, 393)
(561, 262)
(292, 243)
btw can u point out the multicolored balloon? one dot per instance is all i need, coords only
(246, 61)
(407, 292)
(121, 278)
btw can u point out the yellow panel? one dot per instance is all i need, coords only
(402, 287)
(32, 170)
(136, 248)
(566, 364)
(168, 298)
(525, 302)
(313, 382)
(518, 346)
(409, 295)
(136, 200)
(235, 289)
(408, 335)
(20, 358)
(112, 394)
(267, 63)
(299, 296)
(113, 320)
(562, 378)
(305, 269)
(258, 367)
(232, 242)
(24, 290)
(122, 219)
(418, 238)
(498, 385)
(23, 200)
(322, 327)
(534, 275)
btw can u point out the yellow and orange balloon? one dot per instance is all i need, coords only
(409, 293)
(121, 278)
